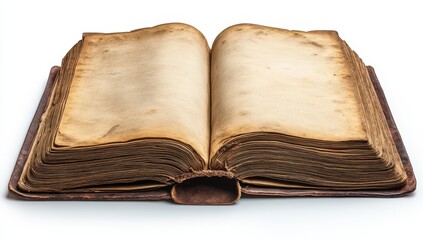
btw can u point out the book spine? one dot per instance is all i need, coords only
(206, 188)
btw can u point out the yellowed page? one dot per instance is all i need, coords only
(149, 83)
(290, 82)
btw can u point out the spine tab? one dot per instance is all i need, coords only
(206, 188)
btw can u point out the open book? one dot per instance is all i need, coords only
(156, 109)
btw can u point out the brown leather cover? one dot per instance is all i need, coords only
(212, 187)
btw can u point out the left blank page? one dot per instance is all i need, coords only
(149, 83)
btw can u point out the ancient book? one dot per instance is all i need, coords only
(156, 113)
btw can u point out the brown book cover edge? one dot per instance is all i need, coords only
(164, 194)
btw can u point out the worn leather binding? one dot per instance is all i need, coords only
(208, 187)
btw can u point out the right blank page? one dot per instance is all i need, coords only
(285, 105)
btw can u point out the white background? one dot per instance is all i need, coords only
(35, 35)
